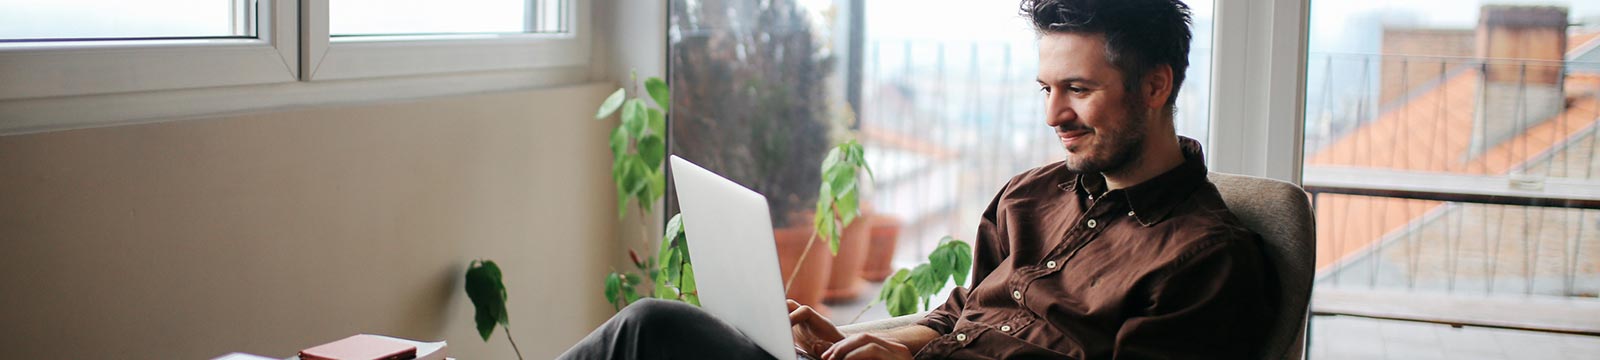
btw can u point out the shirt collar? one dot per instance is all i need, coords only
(1151, 200)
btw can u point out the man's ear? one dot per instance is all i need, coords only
(1157, 86)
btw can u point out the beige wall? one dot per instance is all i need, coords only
(267, 233)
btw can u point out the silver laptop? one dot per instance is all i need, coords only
(735, 256)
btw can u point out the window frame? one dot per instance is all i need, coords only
(1257, 128)
(70, 68)
(53, 86)
(382, 56)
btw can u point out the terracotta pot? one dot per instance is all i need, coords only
(885, 234)
(809, 283)
(844, 283)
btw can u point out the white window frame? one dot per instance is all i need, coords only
(53, 86)
(1258, 88)
(383, 56)
(68, 68)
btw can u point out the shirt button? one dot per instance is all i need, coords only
(1091, 223)
(1016, 294)
(961, 337)
(1050, 264)
(1005, 327)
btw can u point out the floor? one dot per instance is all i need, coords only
(1346, 337)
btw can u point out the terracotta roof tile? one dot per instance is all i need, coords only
(1432, 132)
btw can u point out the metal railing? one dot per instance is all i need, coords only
(1451, 173)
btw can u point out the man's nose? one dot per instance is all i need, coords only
(1058, 112)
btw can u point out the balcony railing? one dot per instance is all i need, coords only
(1456, 190)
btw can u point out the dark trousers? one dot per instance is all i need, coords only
(661, 329)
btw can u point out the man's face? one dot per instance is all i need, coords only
(1100, 124)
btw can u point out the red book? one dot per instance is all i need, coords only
(361, 347)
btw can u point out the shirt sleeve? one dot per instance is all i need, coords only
(989, 250)
(1210, 304)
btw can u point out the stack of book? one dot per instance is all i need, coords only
(375, 347)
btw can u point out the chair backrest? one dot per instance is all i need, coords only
(1281, 213)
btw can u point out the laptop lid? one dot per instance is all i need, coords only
(735, 256)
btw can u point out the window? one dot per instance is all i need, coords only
(947, 113)
(55, 20)
(1450, 148)
(413, 17)
(376, 38)
(75, 63)
(82, 47)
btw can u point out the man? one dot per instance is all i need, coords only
(1122, 251)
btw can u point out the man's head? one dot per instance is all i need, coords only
(1110, 70)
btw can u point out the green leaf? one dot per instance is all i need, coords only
(485, 288)
(848, 206)
(622, 200)
(903, 301)
(619, 144)
(963, 254)
(633, 117)
(653, 150)
(690, 290)
(659, 92)
(833, 238)
(922, 279)
(638, 174)
(888, 284)
(831, 160)
(610, 105)
(671, 266)
(674, 227)
(657, 122)
(613, 290)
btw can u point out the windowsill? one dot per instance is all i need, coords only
(25, 116)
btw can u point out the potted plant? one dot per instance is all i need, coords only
(908, 288)
(638, 149)
(749, 99)
(839, 220)
(882, 239)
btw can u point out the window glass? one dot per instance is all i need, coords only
(1450, 150)
(421, 17)
(112, 19)
(941, 92)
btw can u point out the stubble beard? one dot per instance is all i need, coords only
(1117, 149)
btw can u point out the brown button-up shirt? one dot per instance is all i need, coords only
(1065, 269)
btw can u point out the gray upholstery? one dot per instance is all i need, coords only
(1281, 213)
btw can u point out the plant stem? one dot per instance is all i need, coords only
(801, 261)
(863, 311)
(513, 341)
(644, 225)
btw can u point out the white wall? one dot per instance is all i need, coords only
(267, 233)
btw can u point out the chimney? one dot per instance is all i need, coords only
(1523, 49)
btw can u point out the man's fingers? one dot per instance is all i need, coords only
(866, 346)
(849, 344)
(804, 315)
(793, 305)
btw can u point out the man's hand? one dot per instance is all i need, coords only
(812, 332)
(867, 347)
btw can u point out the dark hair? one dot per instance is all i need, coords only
(1139, 34)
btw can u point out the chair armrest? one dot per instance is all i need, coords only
(881, 325)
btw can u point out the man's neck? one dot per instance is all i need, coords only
(1159, 156)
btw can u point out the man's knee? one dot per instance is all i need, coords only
(657, 312)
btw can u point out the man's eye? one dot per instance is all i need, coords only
(1044, 89)
(1076, 90)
